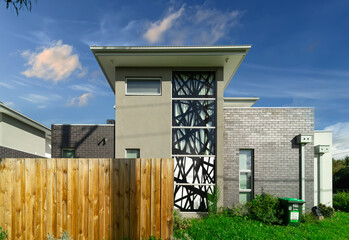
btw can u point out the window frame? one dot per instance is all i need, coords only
(138, 149)
(251, 171)
(143, 79)
(69, 149)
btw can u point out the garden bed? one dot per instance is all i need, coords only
(225, 226)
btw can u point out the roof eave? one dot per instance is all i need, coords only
(19, 116)
(104, 51)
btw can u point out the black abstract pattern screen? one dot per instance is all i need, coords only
(193, 138)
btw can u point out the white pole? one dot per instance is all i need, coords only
(319, 179)
(303, 174)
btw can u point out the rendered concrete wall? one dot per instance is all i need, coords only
(1, 129)
(87, 140)
(22, 137)
(219, 135)
(48, 147)
(271, 133)
(143, 122)
(323, 169)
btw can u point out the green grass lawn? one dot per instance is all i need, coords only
(227, 227)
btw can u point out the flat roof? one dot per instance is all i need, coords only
(110, 57)
(239, 101)
(21, 117)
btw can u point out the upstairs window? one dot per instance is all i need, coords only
(143, 86)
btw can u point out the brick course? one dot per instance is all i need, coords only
(271, 133)
(12, 153)
(87, 140)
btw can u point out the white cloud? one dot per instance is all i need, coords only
(197, 24)
(181, 25)
(40, 99)
(6, 85)
(296, 83)
(54, 63)
(9, 104)
(340, 139)
(80, 101)
(93, 88)
(113, 31)
(157, 29)
(83, 72)
(37, 37)
(83, 87)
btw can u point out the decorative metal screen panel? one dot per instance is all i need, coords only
(196, 170)
(193, 113)
(192, 197)
(189, 141)
(193, 85)
(193, 138)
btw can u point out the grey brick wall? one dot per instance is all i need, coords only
(12, 153)
(271, 133)
(87, 140)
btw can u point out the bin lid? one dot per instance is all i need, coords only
(293, 200)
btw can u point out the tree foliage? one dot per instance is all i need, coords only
(340, 171)
(18, 4)
(337, 165)
(341, 179)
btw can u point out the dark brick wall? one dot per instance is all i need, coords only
(87, 140)
(12, 153)
(271, 133)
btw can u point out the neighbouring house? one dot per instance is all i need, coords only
(22, 137)
(169, 102)
(83, 140)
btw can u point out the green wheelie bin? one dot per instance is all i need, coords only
(292, 210)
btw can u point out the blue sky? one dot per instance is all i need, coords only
(299, 55)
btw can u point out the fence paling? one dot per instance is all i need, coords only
(90, 198)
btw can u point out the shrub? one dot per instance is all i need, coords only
(179, 222)
(308, 217)
(265, 208)
(239, 210)
(3, 234)
(341, 201)
(212, 200)
(327, 212)
(341, 179)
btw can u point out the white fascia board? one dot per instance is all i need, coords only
(241, 98)
(153, 49)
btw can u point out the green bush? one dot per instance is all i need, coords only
(341, 201)
(230, 227)
(212, 200)
(341, 179)
(3, 234)
(308, 217)
(239, 210)
(327, 212)
(265, 208)
(179, 222)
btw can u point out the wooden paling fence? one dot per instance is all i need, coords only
(89, 198)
